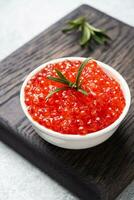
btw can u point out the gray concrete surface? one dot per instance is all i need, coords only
(19, 22)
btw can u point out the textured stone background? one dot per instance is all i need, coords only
(19, 22)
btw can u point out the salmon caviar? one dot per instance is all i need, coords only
(69, 111)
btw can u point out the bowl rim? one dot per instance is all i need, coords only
(50, 132)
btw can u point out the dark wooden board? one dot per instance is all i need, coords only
(101, 172)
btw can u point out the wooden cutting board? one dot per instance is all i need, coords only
(101, 172)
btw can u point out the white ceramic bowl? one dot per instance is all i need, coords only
(78, 141)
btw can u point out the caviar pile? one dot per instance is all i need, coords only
(69, 111)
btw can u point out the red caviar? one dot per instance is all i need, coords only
(69, 111)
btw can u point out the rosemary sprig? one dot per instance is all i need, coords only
(62, 79)
(88, 32)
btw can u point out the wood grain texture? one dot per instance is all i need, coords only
(101, 172)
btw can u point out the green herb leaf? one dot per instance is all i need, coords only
(69, 28)
(62, 76)
(98, 39)
(57, 80)
(103, 35)
(55, 91)
(93, 28)
(80, 71)
(86, 35)
(78, 21)
(74, 24)
(83, 91)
